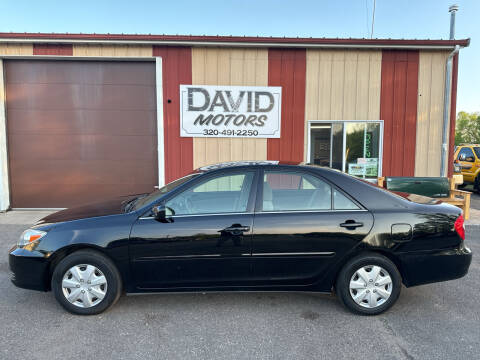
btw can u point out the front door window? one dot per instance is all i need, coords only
(221, 194)
(349, 146)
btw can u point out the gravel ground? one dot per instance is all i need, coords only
(437, 321)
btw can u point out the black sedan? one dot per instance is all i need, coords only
(246, 226)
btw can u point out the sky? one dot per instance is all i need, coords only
(409, 19)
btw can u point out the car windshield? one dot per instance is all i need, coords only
(477, 151)
(155, 195)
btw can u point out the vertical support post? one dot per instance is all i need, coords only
(380, 151)
(160, 129)
(4, 184)
(344, 145)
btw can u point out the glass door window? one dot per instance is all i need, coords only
(351, 146)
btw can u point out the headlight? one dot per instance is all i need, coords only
(29, 236)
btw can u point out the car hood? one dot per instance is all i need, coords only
(103, 208)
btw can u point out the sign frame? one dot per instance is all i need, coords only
(230, 111)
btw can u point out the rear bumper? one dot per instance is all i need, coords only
(423, 268)
(29, 269)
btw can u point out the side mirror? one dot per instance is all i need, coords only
(162, 213)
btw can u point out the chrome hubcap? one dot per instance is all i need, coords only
(84, 285)
(370, 286)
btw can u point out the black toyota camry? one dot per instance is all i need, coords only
(246, 226)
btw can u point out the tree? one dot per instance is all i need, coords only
(467, 129)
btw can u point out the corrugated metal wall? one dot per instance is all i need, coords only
(431, 82)
(111, 50)
(286, 68)
(338, 85)
(224, 66)
(342, 85)
(398, 110)
(176, 70)
(53, 49)
(16, 49)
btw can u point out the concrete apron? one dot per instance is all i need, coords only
(19, 217)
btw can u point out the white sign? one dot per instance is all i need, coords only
(230, 111)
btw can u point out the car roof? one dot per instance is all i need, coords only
(255, 163)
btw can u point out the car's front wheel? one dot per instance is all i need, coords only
(369, 284)
(86, 282)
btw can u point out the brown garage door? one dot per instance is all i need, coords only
(79, 131)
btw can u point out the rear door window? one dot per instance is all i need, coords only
(290, 191)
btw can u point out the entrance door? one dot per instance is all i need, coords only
(207, 240)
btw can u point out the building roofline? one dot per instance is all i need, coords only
(231, 41)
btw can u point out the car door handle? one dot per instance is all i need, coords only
(351, 224)
(237, 229)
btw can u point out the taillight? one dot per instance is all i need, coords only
(460, 227)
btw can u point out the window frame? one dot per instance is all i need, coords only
(210, 176)
(259, 196)
(312, 123)
(477, 154)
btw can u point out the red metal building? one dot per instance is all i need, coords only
(88, 115)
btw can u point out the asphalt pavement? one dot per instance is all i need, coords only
(437, 321)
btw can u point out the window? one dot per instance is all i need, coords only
(477, 151)
(283, 191)
(341, 202)
(221, 194)
(466, 154)
(353, 147)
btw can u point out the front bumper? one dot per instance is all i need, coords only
(30, 269)
(441, 265)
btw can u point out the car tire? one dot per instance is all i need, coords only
(91, 281)
(373, 296)
(476, 185)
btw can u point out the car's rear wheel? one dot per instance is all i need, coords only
(86, 282)
(476, 185)
(369, 284)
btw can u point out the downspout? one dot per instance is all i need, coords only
(447, 93)
(446, 112)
